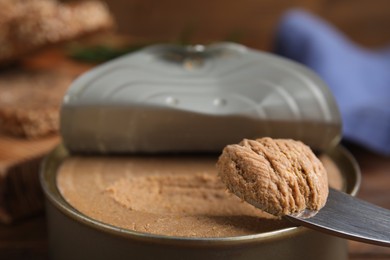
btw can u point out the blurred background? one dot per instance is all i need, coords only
(251, 22)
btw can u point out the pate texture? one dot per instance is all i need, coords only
(279, 176)
(165, 195)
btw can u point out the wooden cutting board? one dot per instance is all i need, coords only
(14, 150)
(20, 158)
(20, 192)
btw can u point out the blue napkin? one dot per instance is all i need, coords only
(359, 78)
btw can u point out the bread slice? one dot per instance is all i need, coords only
(28, 25)
(30, 102)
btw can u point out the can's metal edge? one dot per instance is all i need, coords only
(52, 161)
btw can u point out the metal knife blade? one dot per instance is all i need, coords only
(348, 217)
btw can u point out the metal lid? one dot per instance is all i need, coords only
(168, 98)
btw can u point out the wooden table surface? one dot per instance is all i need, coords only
(375, 188)
(28, 239)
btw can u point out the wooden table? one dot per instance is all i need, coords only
(375, 188)
(28, 239)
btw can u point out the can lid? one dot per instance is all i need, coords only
(168, 98)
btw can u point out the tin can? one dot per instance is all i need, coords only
(73, 235)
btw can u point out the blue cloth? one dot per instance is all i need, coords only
(359, 78)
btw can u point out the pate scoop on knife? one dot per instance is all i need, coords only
(284, 177)
(279, 176)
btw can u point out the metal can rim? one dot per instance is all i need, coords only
(52, 161)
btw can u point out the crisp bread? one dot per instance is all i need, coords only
(30, 101)
(28, 25)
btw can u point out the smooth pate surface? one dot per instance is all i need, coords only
(175, 196)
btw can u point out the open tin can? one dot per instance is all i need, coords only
(168, 99)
